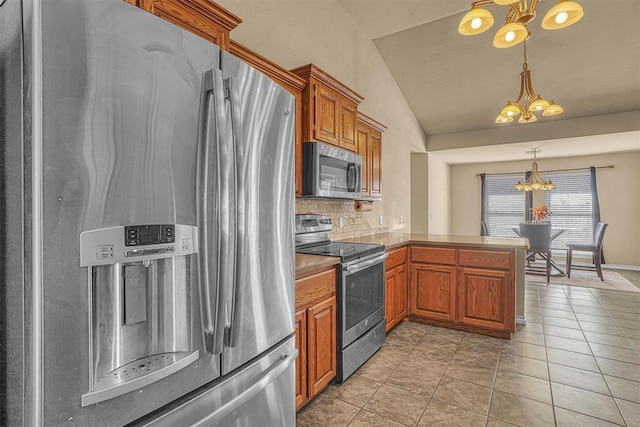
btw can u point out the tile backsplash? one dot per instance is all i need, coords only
(355, 223)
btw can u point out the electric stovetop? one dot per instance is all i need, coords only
(346, 251)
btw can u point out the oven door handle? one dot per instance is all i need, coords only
(362, 265)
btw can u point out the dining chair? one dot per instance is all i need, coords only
(595, 248)
(539, 236)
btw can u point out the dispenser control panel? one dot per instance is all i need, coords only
(133, 243)
(139, 235)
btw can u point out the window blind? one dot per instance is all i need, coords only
(503, 206)
(571, 206)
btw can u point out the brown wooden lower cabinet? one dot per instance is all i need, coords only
(395, 287)
(433, 291)
(469, 289)
(483, 296)
(321, 346)
(316, 330)
(302, 393)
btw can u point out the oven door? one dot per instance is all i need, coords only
(360, 297)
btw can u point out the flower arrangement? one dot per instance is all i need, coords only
(540, 213)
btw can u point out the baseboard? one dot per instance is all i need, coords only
(521, 320)
(620, 267)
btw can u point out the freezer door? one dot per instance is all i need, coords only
(261, 394)
(261, 123)
(121, 95)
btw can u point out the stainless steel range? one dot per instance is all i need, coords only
(360, 293)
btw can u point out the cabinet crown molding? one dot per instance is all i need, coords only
(369, 121)
(313, 71)
(215, 12)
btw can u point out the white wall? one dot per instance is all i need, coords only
(618, 191)
(439, 195)
(419, 193)
(295, 33)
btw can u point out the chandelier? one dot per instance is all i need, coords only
(521, 12)
(535, 180)
(532, 102)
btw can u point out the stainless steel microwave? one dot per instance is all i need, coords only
(330, 172)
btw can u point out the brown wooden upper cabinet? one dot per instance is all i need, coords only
(369, 138)
(202, 17)
(329, 109)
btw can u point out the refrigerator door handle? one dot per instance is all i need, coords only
(213, 211)
(285, 362)
(232, 92)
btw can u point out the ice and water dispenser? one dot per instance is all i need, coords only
(139, 305)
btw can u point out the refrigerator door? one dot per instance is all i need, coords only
(261, 394)
(261, 123)
(119, 113)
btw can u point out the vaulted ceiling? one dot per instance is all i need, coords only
(456, 83)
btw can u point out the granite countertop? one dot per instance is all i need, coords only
(306, 264)
(393, 240)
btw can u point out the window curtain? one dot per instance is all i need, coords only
(483, 194)
(595, 206)
(528, 201)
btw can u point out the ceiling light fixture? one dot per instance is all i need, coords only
(535, 181)
(532, 101)
(522, 12)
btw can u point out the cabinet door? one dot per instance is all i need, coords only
(302, 394)
(433, 291)
(390, 299)
(375, 164)
(326, 128)
(485, 298)
(347, 125)
(401, 292)
(362, 137)
(321, 354)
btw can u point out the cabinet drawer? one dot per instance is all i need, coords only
(396, 258)
(315, 287)
(486, 259)
(433, 255)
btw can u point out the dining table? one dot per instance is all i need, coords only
(555, 233)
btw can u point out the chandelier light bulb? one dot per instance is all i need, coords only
(553, 110)
(476, 21)
(562, 17)
(520, 13)
(539, 104)
(502, 119)
(527, 119)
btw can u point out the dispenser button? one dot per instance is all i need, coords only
(104, 252)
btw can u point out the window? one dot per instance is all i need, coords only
(571, 206)
(503, 207)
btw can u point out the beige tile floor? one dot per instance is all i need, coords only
(575, 363)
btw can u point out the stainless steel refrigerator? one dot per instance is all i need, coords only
(147, 224)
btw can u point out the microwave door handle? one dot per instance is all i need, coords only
(212, 210)
(240, 164)
(352, 177)
(359, 266)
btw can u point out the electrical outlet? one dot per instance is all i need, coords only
(341, 222)
(401, 219)
(381, 220)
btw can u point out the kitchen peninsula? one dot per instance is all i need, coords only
(471, 283)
